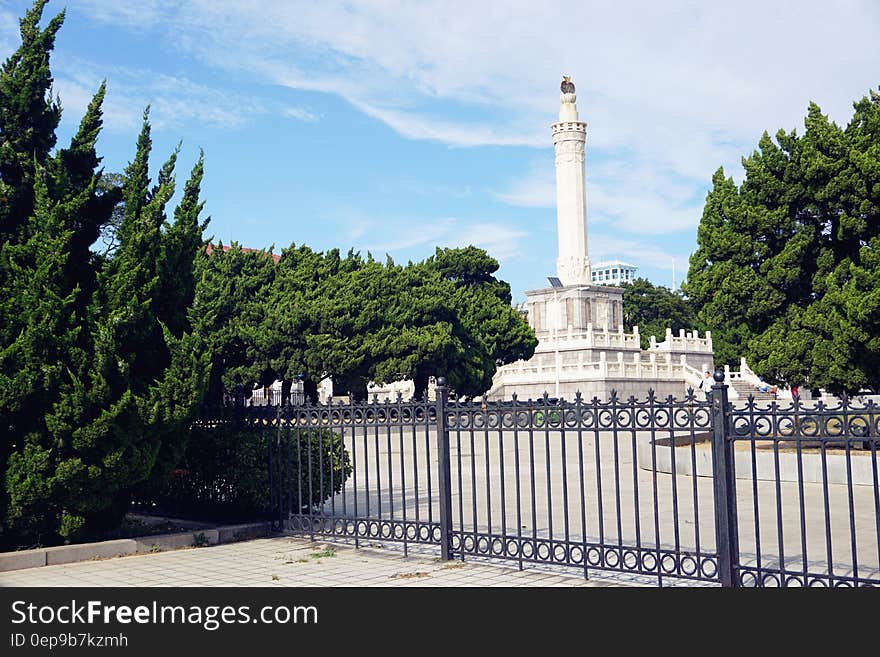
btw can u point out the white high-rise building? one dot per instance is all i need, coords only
(613, 272)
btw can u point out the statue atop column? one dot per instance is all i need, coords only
(569, 137)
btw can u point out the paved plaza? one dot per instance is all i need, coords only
(596, 487)
(285, 561)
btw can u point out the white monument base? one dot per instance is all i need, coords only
(582, 347)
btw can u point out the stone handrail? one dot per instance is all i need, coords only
(684, 341)
(637, 368)
(693, 376)
(745, 374)
(591, 338)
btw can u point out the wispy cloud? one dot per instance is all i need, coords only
(502, 242)
(299, 114)
(393, 59)
(358, 230)
(430, 188)
(140, 14)
(454, 133)
(412, 234)
(174, 99)
(632, 197)
(536, 189)
(609, 247)
(669, 95)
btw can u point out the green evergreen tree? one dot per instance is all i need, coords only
(229, 309)
(416, 338)
(100, 374)
(181, 242)
(491, 331)
(292, 316)
(785, 263)
(128, 398)
(353, 319)
(350, 310)
(29, 116)
(40, 333)
(654, 308)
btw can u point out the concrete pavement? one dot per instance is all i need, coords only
(286, 561)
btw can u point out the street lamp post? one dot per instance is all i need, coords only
(557, 319)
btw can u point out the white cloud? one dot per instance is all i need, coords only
(430, 188)
(299, 114)
(609, 247)
(358, 230)
(537, 189)
(681, 61)
(412, 234)
(174, 100)
(631, 197)
(140, 14)
(670, 90)
(502, 242)
(417, 126)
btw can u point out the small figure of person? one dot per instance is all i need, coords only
(795, 393)
(706, 383)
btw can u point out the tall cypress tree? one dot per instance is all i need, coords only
(181, 242)
(292, 316)
(785, 269)
(29, 116)
(123, 408)
(40, 334)
(99, 372)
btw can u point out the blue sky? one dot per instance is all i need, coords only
(396, 127)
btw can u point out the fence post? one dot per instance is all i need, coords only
(444, 476)
(283, 480)
(724, 485)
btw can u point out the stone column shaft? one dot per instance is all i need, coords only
(569, 139)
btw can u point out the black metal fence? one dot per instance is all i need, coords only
(391, 492)
(669, 489)
(807, 495)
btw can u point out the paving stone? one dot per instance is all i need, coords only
(252, 563)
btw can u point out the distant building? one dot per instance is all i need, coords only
(613, 272)
(209, 249)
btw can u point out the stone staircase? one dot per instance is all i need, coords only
(744, 389)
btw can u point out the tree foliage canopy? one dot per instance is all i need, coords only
(787, 271)
(100, 369)
(356, 320)
(654, 308)
(107, 351)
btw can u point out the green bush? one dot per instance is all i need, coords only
(224, 475)
(552, 417)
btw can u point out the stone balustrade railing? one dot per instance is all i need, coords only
(685, 341)
(592, 338)
(654, 367)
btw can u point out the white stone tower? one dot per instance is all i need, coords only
(569, 138)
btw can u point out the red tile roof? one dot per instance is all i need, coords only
(275, 257)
